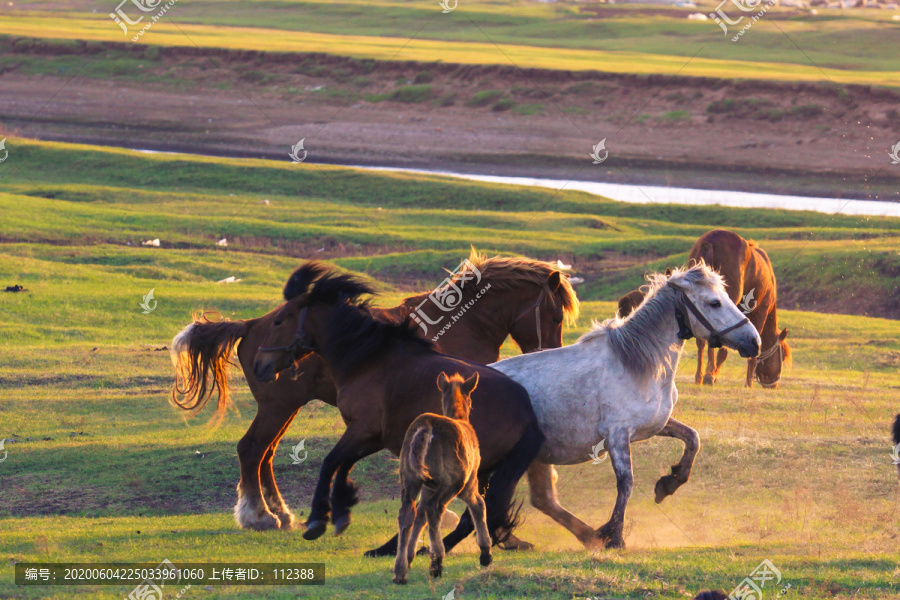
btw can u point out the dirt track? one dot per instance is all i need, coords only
(754, 136)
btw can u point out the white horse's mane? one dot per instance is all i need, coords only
(636, 339)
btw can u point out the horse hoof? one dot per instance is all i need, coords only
(615, 543)
(708, 380)
(665, 486)
(265, 522)
(314, 530)
(400, 580)
(437, 571)
(610, 536)
(286, 521)
(516, 546)
(341, 524)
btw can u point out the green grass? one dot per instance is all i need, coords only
(628, 41)
(102, 468)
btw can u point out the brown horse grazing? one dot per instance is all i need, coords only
(528, 300)
(750, 283)
(440, 460)
(385, 377)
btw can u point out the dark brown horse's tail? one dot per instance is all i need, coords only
(201, 355)
(418, 448)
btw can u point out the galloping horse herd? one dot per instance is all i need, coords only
(462, 423)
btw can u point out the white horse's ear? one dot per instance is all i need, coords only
(442, 381)
(470, 384)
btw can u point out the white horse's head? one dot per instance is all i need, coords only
(704, 310)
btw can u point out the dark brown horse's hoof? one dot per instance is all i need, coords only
(437, 569)
(400, 580)
(341, 524)
(314, 530)
(486, 559)
(666, 486)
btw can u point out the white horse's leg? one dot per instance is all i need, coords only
(681, 472)
(542, 481)
(619, 448)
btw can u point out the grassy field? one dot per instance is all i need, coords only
(100, 467)
(786, 45)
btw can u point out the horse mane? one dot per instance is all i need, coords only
(643, 354)
(355, 335)
(505, 272)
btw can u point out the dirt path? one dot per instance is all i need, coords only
(751, 136)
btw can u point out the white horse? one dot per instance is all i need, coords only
(616, 384)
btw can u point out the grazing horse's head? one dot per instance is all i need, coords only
(294, 332)
(772, 360)
(703, 309)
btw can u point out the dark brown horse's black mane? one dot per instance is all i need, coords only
(354, 334)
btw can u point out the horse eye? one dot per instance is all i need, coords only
(277, 323)
(715, 304)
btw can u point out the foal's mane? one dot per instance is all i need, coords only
(631, 337)
(354, 335)
(504, 272)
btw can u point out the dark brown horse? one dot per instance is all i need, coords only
(528, 299)
(632, 300)
(750, 283)
(385, 376)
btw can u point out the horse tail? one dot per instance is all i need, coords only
(897, 430)
(502, 511)
(418, 448)
(201, 355)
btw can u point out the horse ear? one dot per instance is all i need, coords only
(783, 334)
(554, 281)
(668, 272)
(442, 381)
(470, 384)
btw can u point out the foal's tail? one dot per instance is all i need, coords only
(201, 355)
(418, 448)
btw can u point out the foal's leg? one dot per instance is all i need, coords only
(542, 481)
(667, 484)
(352, 446)
(698, 376)
(620, 455)
(434, 510)
(251, 511)
(405, 521)
(475, 502)
(418, 527)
